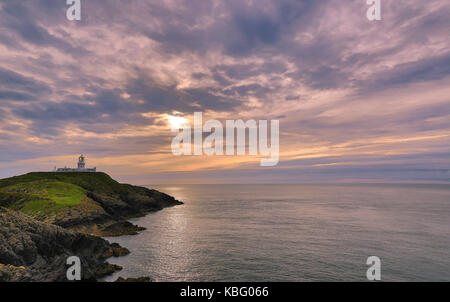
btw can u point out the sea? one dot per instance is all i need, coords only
(298, 232)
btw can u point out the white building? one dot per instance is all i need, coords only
(81, 167)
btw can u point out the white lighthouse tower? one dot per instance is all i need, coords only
(81, 162)
(81, 166)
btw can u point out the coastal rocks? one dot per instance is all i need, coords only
(88, 213)
(115, 251)
(119, 229)
(11, 273)
(132, 201)
(36, 251)
(140, 279)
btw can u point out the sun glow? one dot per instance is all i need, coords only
(177, 122)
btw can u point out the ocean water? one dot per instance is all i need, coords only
(293, 233)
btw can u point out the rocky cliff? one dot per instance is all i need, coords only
(35, 251)
(91, 203)
(47, 217)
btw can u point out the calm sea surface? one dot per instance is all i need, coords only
(293, 233)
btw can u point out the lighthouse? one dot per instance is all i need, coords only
(81, 162)
(81, 166)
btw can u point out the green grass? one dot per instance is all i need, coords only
(46, 195)
(43, 197)
(63, 194)
(94, 182)
(43, 194)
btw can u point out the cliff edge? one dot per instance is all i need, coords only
(47, 217)
(91, 203)
(35, 251)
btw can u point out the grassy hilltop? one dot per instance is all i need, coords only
(42, 197)
(89, 202)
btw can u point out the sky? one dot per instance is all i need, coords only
(357, 101)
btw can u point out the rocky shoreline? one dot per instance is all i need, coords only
(35, 251)
(35, 247)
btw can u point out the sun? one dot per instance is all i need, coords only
(177, 122)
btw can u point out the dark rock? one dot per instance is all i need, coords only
(36, 251)
(120, 228)
(115, 251)
(140, 279)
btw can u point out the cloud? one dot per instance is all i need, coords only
(103, 85)
(427, 69)
(13, 80)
